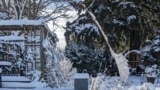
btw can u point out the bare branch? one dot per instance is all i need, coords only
(4, 4)
(22, 9)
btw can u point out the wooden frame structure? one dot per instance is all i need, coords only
(21, 44)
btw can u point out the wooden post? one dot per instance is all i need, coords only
(41, 53)
(0, 78)
(134, 45)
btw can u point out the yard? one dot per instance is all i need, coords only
(110, 83)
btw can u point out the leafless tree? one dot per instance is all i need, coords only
(34, 9)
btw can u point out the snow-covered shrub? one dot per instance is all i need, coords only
(145, 86)
(114, 83)
(82, 30)
(85, 58)
(155, 49)
(4, 16)
(66, 70)
(84, 46)
(152, 71)
(151, 50)
(96, 82)
(58, 68)
(146, 54)
(101, 82)
(61, 74)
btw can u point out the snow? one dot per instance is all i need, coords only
(107, 83)
(132, 51)
(21, 22)
(15, 78)
(118, 22)
(156, 49)
(146, 48)
(142, 66)
(3, 16)
(151, 71)
(97, 83)
(115, 0)
(145, 86)
(91, 3)
(5, 63)
(130, 18)
(0, 70)
(114, 83)
(100, 8)
(11, 38)
(124, 4)
(37, 89)
(31, 39)
(148, 41)
(80, 28)
(81, 76)
(77, 0)
(19, 85)
(52, 33)
(156, 41)
(45, 43)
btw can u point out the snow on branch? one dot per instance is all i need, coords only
(121, 61)
(91, 3)
(132, 51)
(130, 18)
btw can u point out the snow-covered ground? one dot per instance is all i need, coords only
(35, 89)
(110, 83)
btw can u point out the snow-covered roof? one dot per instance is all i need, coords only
(21, 22)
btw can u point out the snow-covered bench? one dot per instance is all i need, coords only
(15, 79)
(16, 82)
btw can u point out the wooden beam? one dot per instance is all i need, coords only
(41, 54)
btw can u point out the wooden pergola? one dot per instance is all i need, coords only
(35, 28)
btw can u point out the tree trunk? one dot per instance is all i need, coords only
(29, 9)
(134, 45)
(9, 5)
(134, 40)
(4, 4)
(34, 9)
